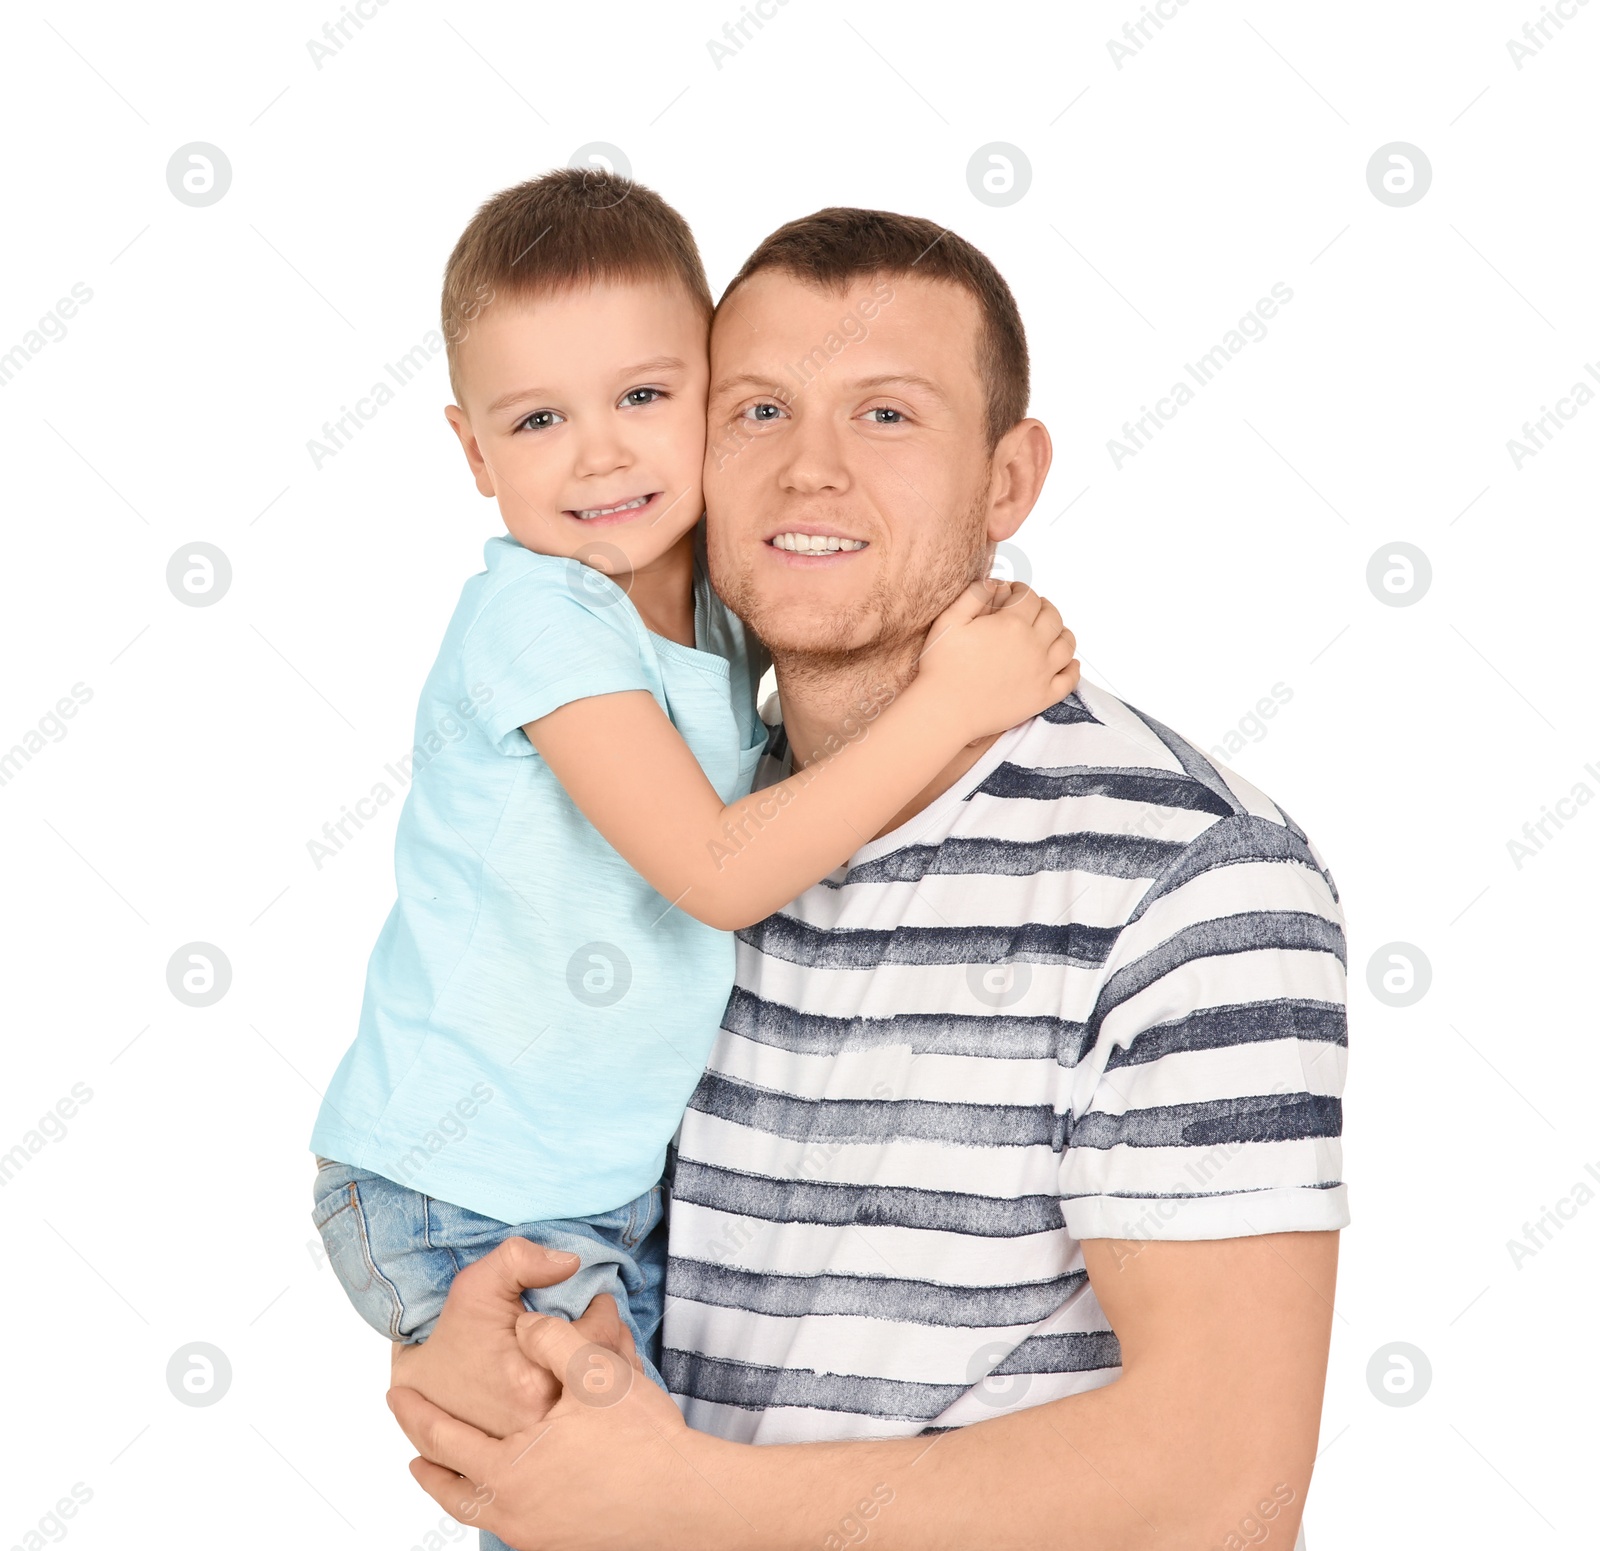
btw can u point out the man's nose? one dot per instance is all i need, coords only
(816, 456)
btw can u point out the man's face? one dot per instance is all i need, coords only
(856, 416)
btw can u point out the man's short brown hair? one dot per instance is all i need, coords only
(838, 245)
(570, 228)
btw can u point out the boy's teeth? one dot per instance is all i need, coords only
(815, 543)
(608, 511)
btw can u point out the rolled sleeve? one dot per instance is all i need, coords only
(1210, 1106)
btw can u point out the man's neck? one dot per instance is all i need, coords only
(829, 697)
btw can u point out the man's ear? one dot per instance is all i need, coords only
(481, 472)
(1018, 466)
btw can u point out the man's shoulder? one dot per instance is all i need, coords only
(1094, 762)
(1096, 744)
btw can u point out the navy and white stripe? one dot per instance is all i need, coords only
(1094, 990)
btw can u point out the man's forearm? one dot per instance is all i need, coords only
(1207, 1438)
(1102, 1471)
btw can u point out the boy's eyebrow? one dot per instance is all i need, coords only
(516, 396)
(660, 363)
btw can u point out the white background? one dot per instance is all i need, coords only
(1230, 556)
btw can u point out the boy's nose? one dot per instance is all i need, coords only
(602, 452)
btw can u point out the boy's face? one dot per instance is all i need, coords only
(584, 416)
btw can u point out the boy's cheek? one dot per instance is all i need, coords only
(683, 443)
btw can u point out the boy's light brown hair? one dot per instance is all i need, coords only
(567, 229)
(838, 245)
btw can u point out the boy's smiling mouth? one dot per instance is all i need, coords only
(623, 511)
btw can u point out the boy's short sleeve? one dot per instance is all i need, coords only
(545, 639)
(1218, 1052)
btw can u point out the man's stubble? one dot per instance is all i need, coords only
(849, 653)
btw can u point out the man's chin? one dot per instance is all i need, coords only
(801, 630)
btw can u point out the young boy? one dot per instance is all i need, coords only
(575, 854)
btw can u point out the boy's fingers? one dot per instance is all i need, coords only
(1064, 637)
(1066, 681)
(974, 599)
(1023, 601)
(1048, 622)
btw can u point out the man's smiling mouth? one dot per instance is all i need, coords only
(814, 543)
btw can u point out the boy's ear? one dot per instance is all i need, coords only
(481, 473)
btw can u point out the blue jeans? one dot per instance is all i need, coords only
(396, 1251)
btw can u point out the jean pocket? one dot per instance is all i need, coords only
(643, 1214)
(341, 1220)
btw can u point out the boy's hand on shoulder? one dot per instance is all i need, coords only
(472, 1365)
(998, 655)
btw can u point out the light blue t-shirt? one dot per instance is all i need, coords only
(536, 1015)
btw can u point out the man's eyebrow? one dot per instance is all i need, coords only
(902, 380)
(859, 384)
(650, 368)
(747, 380)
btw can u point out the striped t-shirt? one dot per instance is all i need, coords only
(1096, 989)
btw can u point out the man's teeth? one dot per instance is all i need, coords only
(815, 543)
(608, 511)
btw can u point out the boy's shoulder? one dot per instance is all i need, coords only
(506, 562)
(542, 590)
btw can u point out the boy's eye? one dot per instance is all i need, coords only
(642, 395)
(762, 413)
(539, 420)
(882, 414)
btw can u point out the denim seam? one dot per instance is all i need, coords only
(397, 1303)
(427, 1235)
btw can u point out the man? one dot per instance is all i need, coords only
(1009, 1199)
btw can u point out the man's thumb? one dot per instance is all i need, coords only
(514, 1264)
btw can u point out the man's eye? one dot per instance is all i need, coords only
(642, 395)
(763, 412)
(539, 420)
(881, 414)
